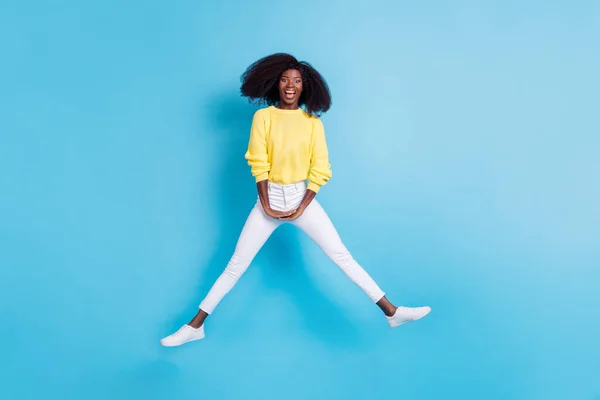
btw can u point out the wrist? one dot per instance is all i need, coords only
(270, 212)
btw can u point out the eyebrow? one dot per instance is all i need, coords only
(287, 76)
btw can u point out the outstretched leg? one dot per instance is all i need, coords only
(257, 229)
(316, 224)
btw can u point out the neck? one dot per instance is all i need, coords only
(284, 106)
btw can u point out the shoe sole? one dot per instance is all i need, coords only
(412, 320)
(180, 344)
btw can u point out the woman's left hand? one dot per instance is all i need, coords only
(294, 216)
(306, 200)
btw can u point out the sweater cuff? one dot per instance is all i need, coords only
(262, 177)
(314, 187)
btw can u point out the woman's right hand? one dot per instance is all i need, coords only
(278, 214)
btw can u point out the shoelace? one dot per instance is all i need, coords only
(408, 311)
(180, 331)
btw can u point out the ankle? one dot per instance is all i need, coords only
(195, 325)
(196, 322)
(198, 319)
(390, 311)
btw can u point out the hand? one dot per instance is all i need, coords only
(297, 214)
(279, 214)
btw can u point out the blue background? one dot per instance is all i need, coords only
(464, 141)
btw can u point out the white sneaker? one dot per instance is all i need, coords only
(185, 334)
(407, 314)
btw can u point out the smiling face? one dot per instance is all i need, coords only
(290, 89)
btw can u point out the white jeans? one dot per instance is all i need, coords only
(259, 227)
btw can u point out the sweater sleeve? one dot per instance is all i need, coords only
(257, 156)
(320, 169)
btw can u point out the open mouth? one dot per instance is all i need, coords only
(289, 94)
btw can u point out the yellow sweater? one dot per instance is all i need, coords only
(288, 146)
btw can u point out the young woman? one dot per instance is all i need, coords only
(289, 160)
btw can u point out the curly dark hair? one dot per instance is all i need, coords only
(260, 83)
